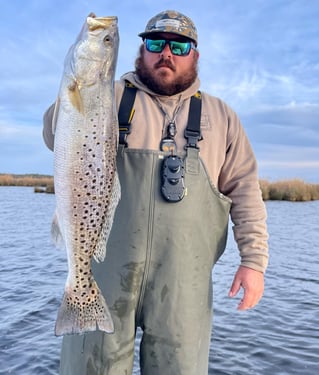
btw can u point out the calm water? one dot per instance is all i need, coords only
(280, 336)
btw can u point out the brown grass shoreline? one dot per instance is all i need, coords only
(41, 183)
(294, 190)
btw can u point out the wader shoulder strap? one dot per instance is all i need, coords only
(193, 135)
(126, 112)
(192, 132)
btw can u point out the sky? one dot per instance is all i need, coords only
(260, 56)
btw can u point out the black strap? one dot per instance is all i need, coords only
(126, 112)
(192, 132)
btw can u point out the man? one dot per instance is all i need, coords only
(171, 224)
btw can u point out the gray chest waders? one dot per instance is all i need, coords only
(156, 274)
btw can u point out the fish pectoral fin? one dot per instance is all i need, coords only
(75, 97)
(78, 314)
(56, 233)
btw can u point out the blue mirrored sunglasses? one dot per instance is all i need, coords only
(177, 48)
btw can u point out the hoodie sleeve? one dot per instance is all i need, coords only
(239, 181)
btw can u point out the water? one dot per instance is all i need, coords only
(280, 336)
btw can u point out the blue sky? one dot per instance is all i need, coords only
(260, 56)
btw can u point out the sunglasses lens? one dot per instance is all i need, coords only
(155, 45)
(177, 48)
(180, 48)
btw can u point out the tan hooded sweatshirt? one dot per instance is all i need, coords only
(225, 151)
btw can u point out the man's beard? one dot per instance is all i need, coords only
(158, 85)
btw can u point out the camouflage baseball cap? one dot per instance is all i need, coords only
(171, 21)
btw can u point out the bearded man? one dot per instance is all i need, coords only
(185, 164)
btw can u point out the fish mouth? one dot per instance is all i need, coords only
(100, 22)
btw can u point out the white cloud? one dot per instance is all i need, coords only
(19, 133)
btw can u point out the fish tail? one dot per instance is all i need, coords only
(83, 313)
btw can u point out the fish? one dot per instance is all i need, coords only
(86, 182)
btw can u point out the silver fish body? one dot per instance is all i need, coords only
(86, 182)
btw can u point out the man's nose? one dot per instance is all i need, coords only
(166, 51)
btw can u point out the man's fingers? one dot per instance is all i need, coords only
(252, 283)
(234, 289)
(250, 299)
(246, 302)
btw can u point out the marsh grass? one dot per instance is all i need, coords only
(41, 183)
(294, 190)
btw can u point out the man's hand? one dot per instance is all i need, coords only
(253, 284)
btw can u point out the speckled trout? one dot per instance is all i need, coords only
(86, 182)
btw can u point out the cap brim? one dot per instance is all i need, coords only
(151, 33)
